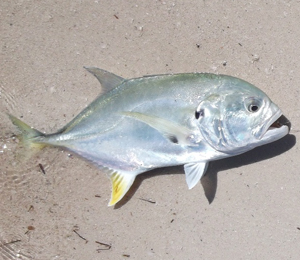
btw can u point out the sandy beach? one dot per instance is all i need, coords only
(53, 205)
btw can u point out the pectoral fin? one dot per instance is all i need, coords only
(194, 172)
(174, 132)
(121, 183)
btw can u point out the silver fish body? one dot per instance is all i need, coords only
(156, 121)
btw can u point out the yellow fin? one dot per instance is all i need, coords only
(121, 183)
(30, 139)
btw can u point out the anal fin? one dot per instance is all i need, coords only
(121, 183)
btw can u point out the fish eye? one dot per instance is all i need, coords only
(253, 104)
(253, 108)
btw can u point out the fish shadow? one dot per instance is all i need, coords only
(210, 180)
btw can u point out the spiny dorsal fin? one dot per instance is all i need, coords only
(107, 79)
(194, 172)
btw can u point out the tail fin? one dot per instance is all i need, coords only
(28, 136)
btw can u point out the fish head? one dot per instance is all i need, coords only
(239, 118)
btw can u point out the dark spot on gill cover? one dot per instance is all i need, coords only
(199, 113)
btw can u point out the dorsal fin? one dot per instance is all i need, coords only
(107, 79)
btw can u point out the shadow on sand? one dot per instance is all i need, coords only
(210, 180)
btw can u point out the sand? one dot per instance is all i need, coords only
(54, 205)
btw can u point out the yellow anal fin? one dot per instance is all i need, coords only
(121, 183)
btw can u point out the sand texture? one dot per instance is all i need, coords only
(54, 205)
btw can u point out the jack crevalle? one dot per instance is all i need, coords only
(140, 124)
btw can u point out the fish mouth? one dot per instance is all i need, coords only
(277, 127)
(279, 122)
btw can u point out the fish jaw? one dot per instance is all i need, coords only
(273, 126)
(277, 127)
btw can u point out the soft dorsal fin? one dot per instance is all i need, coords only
(174, 132)
(194, 172)
(107, 79)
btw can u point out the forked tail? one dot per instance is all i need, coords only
(29, 137)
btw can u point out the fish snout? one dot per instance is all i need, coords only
(281, 121)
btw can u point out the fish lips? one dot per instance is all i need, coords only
(277, 127)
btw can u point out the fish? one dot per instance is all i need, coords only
(190, 119)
